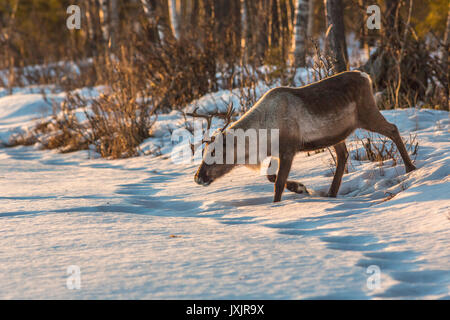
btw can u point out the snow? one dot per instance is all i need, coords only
(140, 228)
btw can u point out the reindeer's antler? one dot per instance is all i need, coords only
(226, 116)
(195, 114)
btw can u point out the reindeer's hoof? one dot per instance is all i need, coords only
(297, 187)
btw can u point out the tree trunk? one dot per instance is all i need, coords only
(263, 21)
(208, 26)
(174, 18)
(103, 13)
(392, 19)
(285, 10)
(310, 28)
(8, 35)
(149, 7)
(109, 21)
(446, 56)
(90, 24)
(183, 17)
(275, 24)
(165, 26)
(244, 31)
(337, 47)
(364, 34)
(96, 41)
(194, 14)
(300, 32)
(249, 33)
(114, 22)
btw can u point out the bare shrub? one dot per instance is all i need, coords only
(322, 63)
(381, 149)
(62, 131)
(226, 117)
(116, 122)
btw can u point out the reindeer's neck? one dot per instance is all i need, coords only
(253, 118)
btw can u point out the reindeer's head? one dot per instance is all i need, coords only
(214, 164)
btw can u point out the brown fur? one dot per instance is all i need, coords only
(322, 114)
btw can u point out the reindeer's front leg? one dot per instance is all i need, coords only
(283, 172)
(342, 155)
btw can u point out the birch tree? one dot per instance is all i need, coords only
(300, 32)
(174, 18)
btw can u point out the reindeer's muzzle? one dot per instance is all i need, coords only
(200, 180)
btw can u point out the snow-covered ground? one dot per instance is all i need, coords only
(140, 228)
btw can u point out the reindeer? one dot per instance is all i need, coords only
(315, 116)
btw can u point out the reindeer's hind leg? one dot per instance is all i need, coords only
(391, 131)
(380, 125)
(342, 155)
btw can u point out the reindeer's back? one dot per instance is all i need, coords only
(311, 114)
(326, 112)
